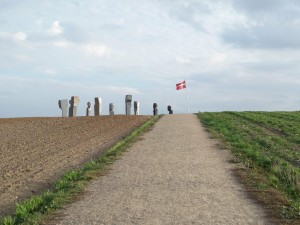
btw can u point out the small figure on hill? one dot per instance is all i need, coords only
(111, 109)
(170, 109)
(155, 110)
(88, 109)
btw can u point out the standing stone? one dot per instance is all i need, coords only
(98, 106)
(155, 110)
(128, 100)
(88, 109)
(111, 109)
(136, 108)
(170, 109)
(63, 105)
(73, 106)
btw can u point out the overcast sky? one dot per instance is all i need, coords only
(234, 54)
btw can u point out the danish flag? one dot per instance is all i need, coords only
(181, 85)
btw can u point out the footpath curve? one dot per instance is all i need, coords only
(174, 175)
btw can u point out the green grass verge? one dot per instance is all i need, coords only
(33, 210)
(268, 142)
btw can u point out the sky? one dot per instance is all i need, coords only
(235, 55)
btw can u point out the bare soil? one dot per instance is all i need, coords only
(34, 152)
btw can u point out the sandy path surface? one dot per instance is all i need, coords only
(174, 175)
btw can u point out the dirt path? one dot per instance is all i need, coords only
(174, 175)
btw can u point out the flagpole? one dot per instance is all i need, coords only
(187, 101)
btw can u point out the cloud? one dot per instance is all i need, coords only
(89, 49)
(183, 61)
(258, 6)
(18, 36)
(62, 43)
(269, 24)
(266, 35)
(189, 12)
(22, 58)
(121, 90)
(55, 29)
(97, 50)
(50, 72)
(207, 17)
(257, 9)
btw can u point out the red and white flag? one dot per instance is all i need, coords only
(181, 85)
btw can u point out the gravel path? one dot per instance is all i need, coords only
(174, 175)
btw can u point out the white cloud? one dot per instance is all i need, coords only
(4, 35)
(268, 24)
(121, 90)
(97, 50)
(18, 36)
(183, 61)
(50, 72)
(62, 43)
(89, 49)
(120, 22)
(219, 58)
(56, 28)
(39, 22)
(22, 58)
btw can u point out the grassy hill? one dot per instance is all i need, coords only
(268, 145)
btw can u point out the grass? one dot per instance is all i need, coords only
(268, 143)
(35, 209)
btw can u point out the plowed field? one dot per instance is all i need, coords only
(34, 152)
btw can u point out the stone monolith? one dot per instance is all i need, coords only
(136, 108)
(98, 106)
(155, 110)
(128, 100)
(63, 105)
(73, 106)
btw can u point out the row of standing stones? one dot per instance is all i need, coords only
(64, 106)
